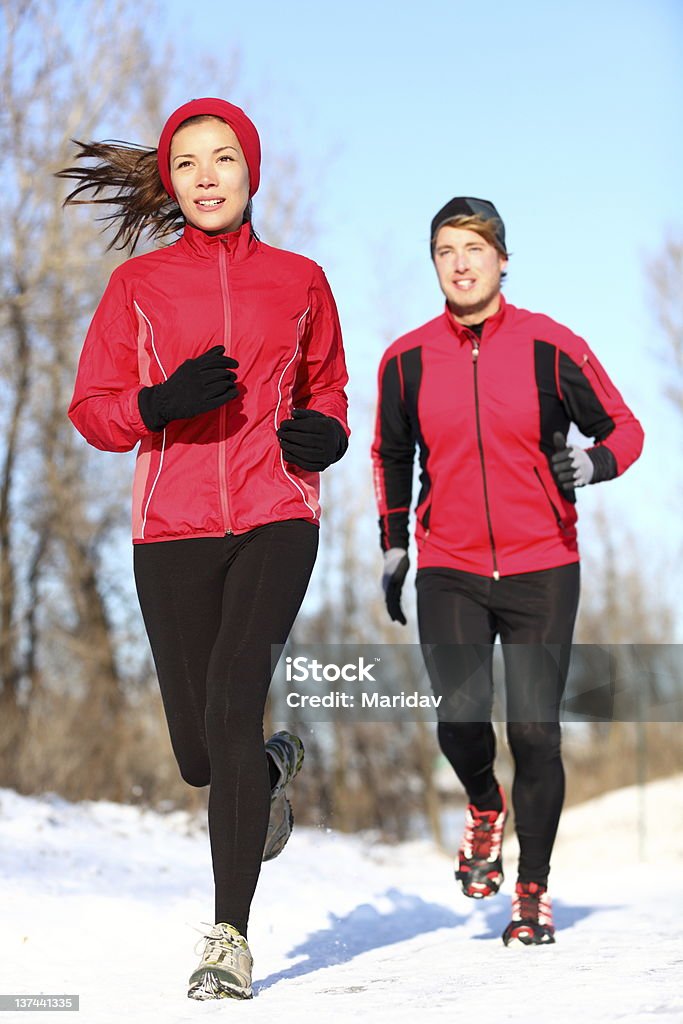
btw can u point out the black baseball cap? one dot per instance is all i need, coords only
(466, 206)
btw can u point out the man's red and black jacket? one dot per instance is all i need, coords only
(482, 413)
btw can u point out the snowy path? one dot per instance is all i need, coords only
(101, 900)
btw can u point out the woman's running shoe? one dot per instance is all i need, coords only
(287, 753)
(532, 916)
(480, 865)
(224, 971)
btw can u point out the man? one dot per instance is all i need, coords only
(487, 392)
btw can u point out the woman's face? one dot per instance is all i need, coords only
(210, 176)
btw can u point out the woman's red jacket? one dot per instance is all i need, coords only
(221, 472)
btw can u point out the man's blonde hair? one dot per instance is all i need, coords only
(483, 226)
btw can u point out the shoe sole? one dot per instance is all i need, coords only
(479, 894)
(209, 986)
(276, 845)
(275, 848)
(473, 889)
(529, 939)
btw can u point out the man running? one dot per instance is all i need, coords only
(488, 392)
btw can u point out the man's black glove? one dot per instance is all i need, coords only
(572, 466)
(198, 385)
(396, 566)
(312, 440)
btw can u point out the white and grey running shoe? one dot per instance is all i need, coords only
(287, 753)
(224, 971)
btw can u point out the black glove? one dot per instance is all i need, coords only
(563, 467)
(197, 386)
(312, 440)
(576, 467)
(396, 566)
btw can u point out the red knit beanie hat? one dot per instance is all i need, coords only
(243, 128)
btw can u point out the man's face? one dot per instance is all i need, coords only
(469, 270)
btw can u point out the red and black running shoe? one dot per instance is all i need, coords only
(532, 916)
(480, 866)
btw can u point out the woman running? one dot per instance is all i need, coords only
(488, 392)
(222, 358)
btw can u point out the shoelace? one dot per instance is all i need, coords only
(484, 834)
(532, 903)
(218, 945)
(216, 942)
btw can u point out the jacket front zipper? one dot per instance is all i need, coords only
(475, 358)
(223, 421)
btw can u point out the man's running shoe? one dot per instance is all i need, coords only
(532, 916)
(224, 971)
(480, 867)
(287, 753)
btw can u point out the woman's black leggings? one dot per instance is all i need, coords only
(460, 615)
(212, 608)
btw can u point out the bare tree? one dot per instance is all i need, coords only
(665, 275)
(57, 76)
(77, 711)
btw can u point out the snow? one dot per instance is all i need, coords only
(106, 901)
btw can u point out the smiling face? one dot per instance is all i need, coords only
(209, 175)
(469, 270)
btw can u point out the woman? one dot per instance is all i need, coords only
(222, 357)
(488, 392)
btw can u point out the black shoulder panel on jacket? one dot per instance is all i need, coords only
(396, 450)
(411, 372)
(581, 402)
(553, 414)
(411, 365)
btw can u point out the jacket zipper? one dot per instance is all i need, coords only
(587, 362)
(475, 357)
(223, 422)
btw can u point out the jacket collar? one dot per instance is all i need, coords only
(238, 244)
(492, 324)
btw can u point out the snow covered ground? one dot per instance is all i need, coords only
(101, 900)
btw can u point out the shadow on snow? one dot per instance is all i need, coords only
(496, 916)
(363, 929)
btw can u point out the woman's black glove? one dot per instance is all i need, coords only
(198, 385)
(312, 440)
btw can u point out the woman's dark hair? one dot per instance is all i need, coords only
(130, 175)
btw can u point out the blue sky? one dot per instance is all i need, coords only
(567, 116)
